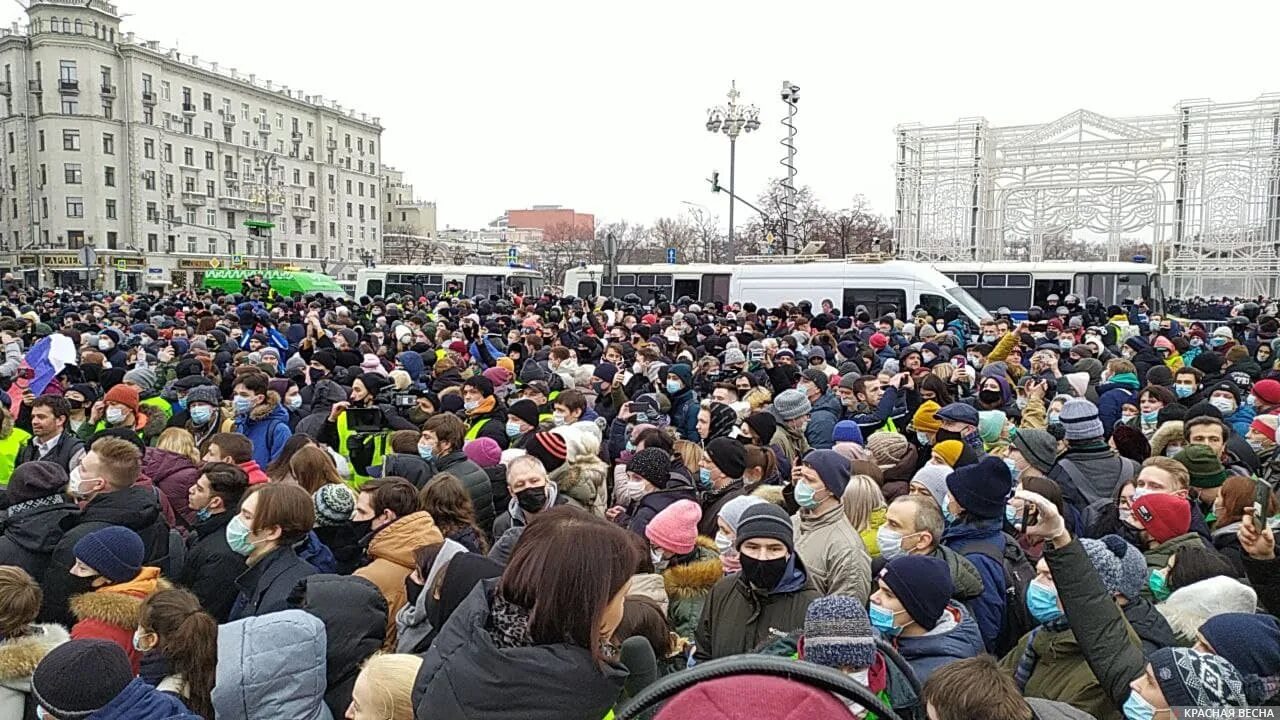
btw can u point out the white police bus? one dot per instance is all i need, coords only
(1019, 285)
(472, 280)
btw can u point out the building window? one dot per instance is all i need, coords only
(210, 188)
(75, 207)
(148, 116)
(187, 126)
(211, 217)
(149, 179)
(153, 243)
(108, 144)
(44, 207)
(168, 186)
(109, 176)
(70, 106)
(189, 185)
(207, 102)
(191, 244)
(349, 212)
(72, 172)
(231, 246)
(311, 180)
(348, 187)
(208, 131)
(167, 153)
(67, 71)
(226, 134)
(153, 212)
(189, 157)
(40, 140)
(105, 73)
(231, 221)
(164, 89)
(106, 109)
(213, 245)
(111, 209)
(146, 84)
(149, 148)
(11, 147)
(70, 139)
(208, 160)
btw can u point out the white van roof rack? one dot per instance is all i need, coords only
(863, 258)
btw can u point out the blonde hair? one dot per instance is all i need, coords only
(390, 677)
(757, 397)
(179, 440)
(400, 379)
(861, 498)
(690, 455)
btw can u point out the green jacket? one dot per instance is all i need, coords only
(965, 580)
(9, 447)
(737, 619)
(688, 585)
(1158, 556)
(1062, 674)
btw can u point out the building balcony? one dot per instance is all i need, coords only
(69, 87)
(301, 211)
(231, 176)
(35, 86)
(332, 144)
(189, 109)
(148, 98)
(108, 91)
(227, 202)
(297, 136)
(227, 118)
(6, 88)
(194, 198)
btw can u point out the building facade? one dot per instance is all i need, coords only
(403, 213)
(126, 164)
(556, 222)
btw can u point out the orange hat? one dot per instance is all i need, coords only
(122, 394)
(924, 419)
(949, 451)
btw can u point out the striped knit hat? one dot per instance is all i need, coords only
(548, 447)
(837, 633)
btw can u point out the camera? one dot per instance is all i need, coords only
(404, 400)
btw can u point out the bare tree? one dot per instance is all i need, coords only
(855, 230)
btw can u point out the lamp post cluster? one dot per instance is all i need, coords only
(733, 118)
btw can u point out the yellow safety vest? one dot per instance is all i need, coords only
(379, 441)
(9, 448)
(474, 432)
(889, 425)
(161, 404)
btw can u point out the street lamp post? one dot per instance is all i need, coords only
(732, 119)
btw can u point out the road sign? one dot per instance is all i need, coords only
(671, 256)
(513, 255)
(237, 259)
(214, 262)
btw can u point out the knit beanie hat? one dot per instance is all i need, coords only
(1203, 465)
(373, 382)
(731, 512)
(832, 467)
(36, 479)
(116, 552)
(606, 372)
(847, 431)
(1164, 517)
(498, 376)
(1039, 448)
(675, 527)
(126, 395)
(982, 489)
(1121, 566)
(837, 633)
(1249, 641)
(143, 377)
(78, 678)
(525, 410)
(734, 356)
(652, 464)
(888, 448)
(483, 451)
(791, 404)
(1080, 418)
(765, 520)
(991, 424)
(817, 377)
(1191, 678)
(204, 394)
(764, 425)
(1265, 425)
(481, 383)
(922, 584)
(924, 418)
(549, 448)
(729, 455)
(1268, 391)
(334, 504)
(950, 451)
(723, 419)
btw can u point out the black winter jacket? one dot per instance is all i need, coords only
(354, 614)
(212, 566)
(266, 587)
(476, 483)
(30, 535)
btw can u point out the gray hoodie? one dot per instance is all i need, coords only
(271, 667)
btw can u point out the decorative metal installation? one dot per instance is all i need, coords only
(1201, 187)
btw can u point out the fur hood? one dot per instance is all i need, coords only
(120, 609)
(581, 479)
(156, 422)
(1165, 434)
(694, 579)
(260, 412)
(19, 656)
(1189, 607)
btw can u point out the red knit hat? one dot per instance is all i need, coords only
(1268, 391)
(1265, 425)
(548, 447)
(1163, 516)
(878, 341)
(126, 395)
(675, 528)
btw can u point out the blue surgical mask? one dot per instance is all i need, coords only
(426, 452)
(882, 620)
(923, 439)
(294, 402)
(1184, 391)
(471, 405)
(704, 478)
(238, 537)
(1014, 472)
(674, 386)
(201, 414)
(180, 405)
(114, 416)
(947, 515)
(513, 429)
(1217, 341)
(805, 496)
(1042, 602)
(137, 640)
(241, 404)
(1137, 708)
(1149, 418)
(1066, 343)
(1011, 515)
(1054, 419)
(203, 514)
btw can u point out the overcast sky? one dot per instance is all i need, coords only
(601, 106)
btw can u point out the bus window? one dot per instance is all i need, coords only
(966, 280)
(1131, 287)
(374, 288)
(877, 302)
(685, 286)
(715, 287)
(1045, 288)
(935, 305)
(484, 285)
(586, 289)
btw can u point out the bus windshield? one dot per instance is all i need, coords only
(971, 307)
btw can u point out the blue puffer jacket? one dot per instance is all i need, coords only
(956, 637)
(684, 404)
(267, 427)
(1111, 400)
(988, 608)
(1241, 419)
(822, 422)
(140, 701)
(272, 667)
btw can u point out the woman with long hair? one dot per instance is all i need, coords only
(179, 642)
(278, 470)
(384, 688)
(864, 505)
(174, 466)
(548, 623)
(449, 504)
(312, 468)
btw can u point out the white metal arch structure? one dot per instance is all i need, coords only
(1201, 186)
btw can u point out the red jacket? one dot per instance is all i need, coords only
(111, 612)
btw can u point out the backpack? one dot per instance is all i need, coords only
(1018, 573)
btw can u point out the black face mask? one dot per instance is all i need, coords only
(417, 416)
(531, 500)
(363, 529)
(990, 397)
(763, 574)
(412, 590)
(946, 435)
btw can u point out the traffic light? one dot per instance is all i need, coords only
(715, 182)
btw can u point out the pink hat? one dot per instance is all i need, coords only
(676, 527)
(372, 364)
(498, 375)
(483, 451)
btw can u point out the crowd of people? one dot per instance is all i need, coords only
(257, 506)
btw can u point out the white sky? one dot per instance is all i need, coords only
(601, 106)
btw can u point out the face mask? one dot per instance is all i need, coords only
(636, 368)
(1054, 418)
(531, 500)
(513, 429)
(890, 542)
(201, 414)
(115, 416)
(763, 574)
(238, 537)
(426, 452)
(1171, 450)
(1184, 391)
(927, 357)
(922, 438)
(1159, 585)
(1196, 342)
(137, 641)
(947, 515)
(1042, 603)
(203, 514)
(659, 562)
(883, 620)
(1226, 406)
(1011, 516)
(1218, 341)
(1137, 708)
(241, 404)
(1014, 472)
(990, 397)
(1127, 417)
(673, 387)
(988, 339)
(557, 419)
(1254, 445)
(723, 543)
(1066, 343)
(295, 402)
(105, 345)
(1251, 401)
(805, 496)
(704, 478)
(470, 405)
(1138, 493)
(1127, 354)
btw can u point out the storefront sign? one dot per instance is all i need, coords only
(130, 264)
(205, 264)
(61, 261)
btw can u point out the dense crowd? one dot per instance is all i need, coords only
(257, 506)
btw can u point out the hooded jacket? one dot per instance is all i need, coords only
(582, 483)
(1144, 357)
(141, 701)
(413, 622)
(31, 532)
(649, 505)
(688, 583)
(19, 657)
(111, 612)
(1100, 467)
(1112, 397)
(410, 467)
(1151, 627)
(988, 608)
(737, 618)
(212, 566)
(965, 580)
(351, 609)
(391, 550)
(684, 404)
(1187, 608)
(955, 637)
(833, 553)
(475, 482)
(466, 674)
(174, 474)
(1061, 672)
(412, 364)
(826, 412)
(272, 666)
(267, 426)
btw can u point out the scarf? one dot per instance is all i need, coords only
(413, 622)
(485, 407)
(508, 624)
(1030, 658)
(1129, 380)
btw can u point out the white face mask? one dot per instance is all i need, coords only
(1226, 406)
